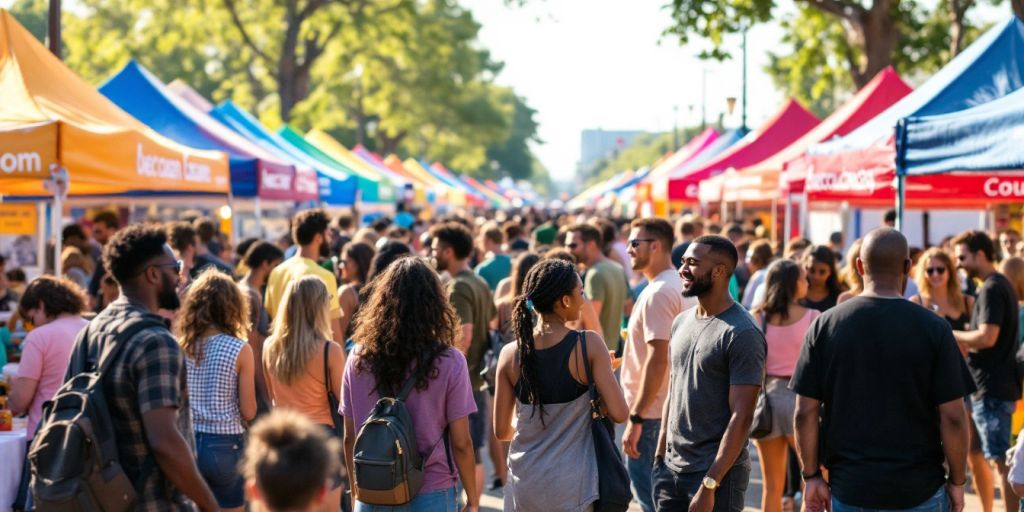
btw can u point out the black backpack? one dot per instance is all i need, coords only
(387, 460)
(73, 457)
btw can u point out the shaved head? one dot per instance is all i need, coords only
(885, 253)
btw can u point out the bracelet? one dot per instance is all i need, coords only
(812, 476)
(954, 484)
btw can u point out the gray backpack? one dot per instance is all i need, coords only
(387, 460)
(73, 457)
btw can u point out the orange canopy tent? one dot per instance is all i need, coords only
(50, 119)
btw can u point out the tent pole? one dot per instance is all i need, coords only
(58, 213)
(41, 236)
(258, 213)
(775, 220)
(787, 219)
(804, 213)
(901, 198)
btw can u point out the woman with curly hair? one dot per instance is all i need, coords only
(301, 362)
(54, 306)
(213, 324)
(823, 292)
(407, 330)
(543, 380)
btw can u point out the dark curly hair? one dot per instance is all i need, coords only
(181, 235)
(131, 249)
(407, 321)
(546, 283)
(456, 236)
(308, 224)
(58, 295)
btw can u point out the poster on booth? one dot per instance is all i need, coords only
(18, 235)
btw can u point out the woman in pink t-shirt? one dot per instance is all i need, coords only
(406, 323)
(785, 323)
(54, 306)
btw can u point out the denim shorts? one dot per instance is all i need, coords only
(994, 419)
(441, 500)
(478, 421)
(219, 456)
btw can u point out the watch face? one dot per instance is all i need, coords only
(709, 483)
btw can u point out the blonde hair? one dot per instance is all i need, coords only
(924, 286)
(213, 301)
(848, 275)
(300, 328)
(1013, 269)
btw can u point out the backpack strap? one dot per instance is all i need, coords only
(413, 377)
(110, 351)
(327, 369)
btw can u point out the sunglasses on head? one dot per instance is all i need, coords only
(935, 270)
(634, 243)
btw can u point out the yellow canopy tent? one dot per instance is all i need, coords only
(456, 197)
(51, 119)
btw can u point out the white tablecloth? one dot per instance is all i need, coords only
(12, 455)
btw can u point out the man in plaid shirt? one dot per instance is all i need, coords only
(146, 387)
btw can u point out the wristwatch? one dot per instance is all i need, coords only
(816, 474)
(709, 483)
(635, 418)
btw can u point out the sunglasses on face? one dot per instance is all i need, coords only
(936, 271)
(572, 246)
(635, 243)
(961, 258)
(178, 265)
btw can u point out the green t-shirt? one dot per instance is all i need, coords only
(494, 269)
(606, 283)
(474, 304)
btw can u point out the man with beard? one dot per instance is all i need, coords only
(604, 281)
(145, 386)
(991, 345)
(451, 245)
(717, 357)
(309, 230)
(645, 355)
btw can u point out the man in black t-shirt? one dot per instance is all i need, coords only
(992, 344)
(892, 383)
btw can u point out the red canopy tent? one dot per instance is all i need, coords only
(881, 92)
(790, 123)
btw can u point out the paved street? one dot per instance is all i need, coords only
(492, 500)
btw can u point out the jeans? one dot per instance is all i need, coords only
(442, 500)
(993, 418)
(674, 491)
(939, 502)
(219, 455)
(640, 469)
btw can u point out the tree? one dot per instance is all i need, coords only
(513, 157)
(32, 14)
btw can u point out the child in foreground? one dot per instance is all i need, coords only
(289, 464)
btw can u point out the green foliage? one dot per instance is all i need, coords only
(646, 150)
(403, 76)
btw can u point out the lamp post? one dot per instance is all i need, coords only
(743, 106)
(675, 127)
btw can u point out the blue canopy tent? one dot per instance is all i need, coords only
(336, 188)
(253, 171)
(990, 68)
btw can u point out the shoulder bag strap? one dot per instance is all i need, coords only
(327, 368)
(586, 366)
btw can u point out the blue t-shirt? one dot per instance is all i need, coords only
(494, 269)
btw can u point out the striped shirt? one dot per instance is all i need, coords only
(213, 386)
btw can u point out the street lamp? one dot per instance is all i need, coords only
(743, 108)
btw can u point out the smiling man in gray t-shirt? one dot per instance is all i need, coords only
(717, 367)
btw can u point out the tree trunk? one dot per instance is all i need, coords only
(1018, 8)
(880, 38)
(957, 14)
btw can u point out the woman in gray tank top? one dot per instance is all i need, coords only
(551, 459)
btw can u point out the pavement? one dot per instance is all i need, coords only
(492, 500)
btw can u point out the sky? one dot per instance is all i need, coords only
(586, 64)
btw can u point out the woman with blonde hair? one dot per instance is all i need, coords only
(849, 276)
(213, 324)
(303, 366)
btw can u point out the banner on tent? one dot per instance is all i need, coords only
(18, 219)
(28, 152)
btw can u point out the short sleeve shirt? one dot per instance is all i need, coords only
(708, 355)
(448, 397)
(655, 309)
(149, 374)
(607, 283)
(994, 368)
(474, 304)
(44, 358)
(291, 270)
(881, 367)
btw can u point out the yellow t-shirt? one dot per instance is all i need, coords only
(292, 269)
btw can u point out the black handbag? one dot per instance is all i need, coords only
(762, 425)
(612, 481)
(332, 398)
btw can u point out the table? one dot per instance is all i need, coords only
(10, 371)
(12, 456)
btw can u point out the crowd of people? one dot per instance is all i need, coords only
(875, 379)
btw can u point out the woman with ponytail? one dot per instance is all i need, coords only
(544, 371)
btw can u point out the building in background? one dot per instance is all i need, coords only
(597, 145)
